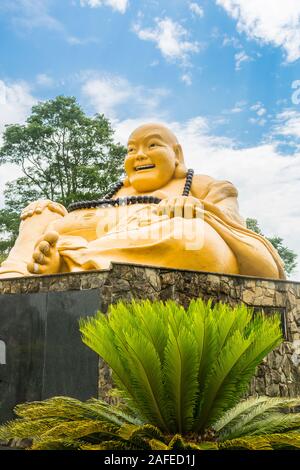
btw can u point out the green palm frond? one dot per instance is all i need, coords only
(272, 423)
(128, 432)
(65, 422)
(55, 444)
(208, 445)
(287, 441)
(218, 379)
(109, 445)
(157, 445)
(236, 363)
(234, 415)
(25, 428)
(180, 374)
(246, 443)
(253, 410)
(181, 370)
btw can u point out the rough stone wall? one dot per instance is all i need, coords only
(280, 372)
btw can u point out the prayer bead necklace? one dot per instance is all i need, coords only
(107, 201)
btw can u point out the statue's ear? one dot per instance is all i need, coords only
(179, 153)
(180, 170)
(126, 182)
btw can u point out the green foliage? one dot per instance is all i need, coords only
(180, 370)
(64, 155)
(289, 257)
(175, 369)
(63, 423)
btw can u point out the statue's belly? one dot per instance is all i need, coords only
(92, 223)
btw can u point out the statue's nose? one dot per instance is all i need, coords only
(141, 155)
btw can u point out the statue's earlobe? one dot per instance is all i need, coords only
(126, 182)
(180, 170)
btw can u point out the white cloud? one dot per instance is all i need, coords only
(259, 111)
(231, 41)
(268, 182)
(108, 93)
(275, 22)
(77, 41)
(236, 110)
(186, 78)
(30, 14)
(196, 9)
(44, 80)
(118, 5)
(288, 124)
(171, 38)
(241, 57)
(15, 104)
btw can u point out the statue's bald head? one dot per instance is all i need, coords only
(154, 158)
(155, 128)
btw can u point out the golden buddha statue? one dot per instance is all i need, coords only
(160, 215)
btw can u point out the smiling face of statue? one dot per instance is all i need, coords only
(153, 155)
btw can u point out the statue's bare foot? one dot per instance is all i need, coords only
(46, 258)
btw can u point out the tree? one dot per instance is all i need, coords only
(288, 256)
(181, 374)
(65, 156)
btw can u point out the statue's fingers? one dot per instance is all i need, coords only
(199, 212)
(51, 237)
(189, 210)
(169, 210)
(178, 207)
(58, 208)
(161, 208)
(23, 215)
(38, 210)
(44, 247)
(39, 257)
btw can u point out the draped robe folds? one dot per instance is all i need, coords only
(216, 241)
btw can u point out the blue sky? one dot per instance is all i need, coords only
(224, 74)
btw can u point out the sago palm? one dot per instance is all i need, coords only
(181, 374)
(178, 369)
(65, 423)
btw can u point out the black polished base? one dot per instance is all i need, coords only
(42, 354)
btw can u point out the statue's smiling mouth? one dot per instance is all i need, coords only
(144, 167)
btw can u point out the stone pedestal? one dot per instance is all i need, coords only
(41, 353)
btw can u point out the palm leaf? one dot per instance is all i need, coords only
(289, 440)
(180, 371)
(262, 335)
(147, 379)
(246, 442)
(273, 423)
(214, 386)
(232, 424)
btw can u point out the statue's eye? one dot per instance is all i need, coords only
(131, 149)
(151, 146)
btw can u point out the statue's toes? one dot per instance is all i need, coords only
(34, 268)
(44, 247)
(39, 257)
(51, 237)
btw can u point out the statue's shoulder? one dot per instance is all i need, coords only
(201, 184)
(202, 180)
(204, 186)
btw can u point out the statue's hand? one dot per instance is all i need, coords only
(37, 207)
(187, 207)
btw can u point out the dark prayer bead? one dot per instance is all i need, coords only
(107, 201)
